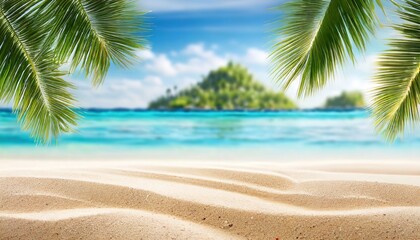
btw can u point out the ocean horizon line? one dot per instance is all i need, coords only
(10, 110)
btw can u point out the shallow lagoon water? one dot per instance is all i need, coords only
(117, 131)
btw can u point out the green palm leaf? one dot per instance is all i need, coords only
(397, 95)
(317, 37)
(29, 76)
(37, 36)
(95, 33)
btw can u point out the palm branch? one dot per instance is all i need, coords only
(93, 33)
(397, 96)
(317, 37)
(29, 76)
(36, 36)
(321, 35)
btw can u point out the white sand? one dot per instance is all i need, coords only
(166, 200)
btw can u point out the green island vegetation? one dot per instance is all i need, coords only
(347, 100)
(228, 88)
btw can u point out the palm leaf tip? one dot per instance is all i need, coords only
(95, 33)
(397, 95)
(317, 36)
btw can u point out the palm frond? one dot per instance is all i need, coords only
(29, 76)
(318, 36)
(95, 33)
(397, 95)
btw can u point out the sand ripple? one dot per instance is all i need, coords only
(79, 200)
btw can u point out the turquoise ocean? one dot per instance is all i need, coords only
(149, 134)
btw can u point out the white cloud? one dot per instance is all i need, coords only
(145, 54)
(162, 65)
(197, 60)
(115, 93)
(256, 56)
(368, 63)
(123, 85)
(153, 80)
(200, 60)
(198, 49)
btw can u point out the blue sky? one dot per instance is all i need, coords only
(188, 38)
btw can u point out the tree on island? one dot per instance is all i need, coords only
(227, 88)
(346, 100)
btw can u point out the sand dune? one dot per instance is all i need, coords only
(128, 200)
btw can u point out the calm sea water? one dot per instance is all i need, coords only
(281, 132)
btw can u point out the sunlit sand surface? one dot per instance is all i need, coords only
(186, 200)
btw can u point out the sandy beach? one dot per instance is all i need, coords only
(186, 200)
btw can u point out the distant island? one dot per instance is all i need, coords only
(228, 88)
(346, 100)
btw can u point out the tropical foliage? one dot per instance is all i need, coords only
(346, 100)
(321, 35)
(397, 97)
(38, 36)
(227, 88)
